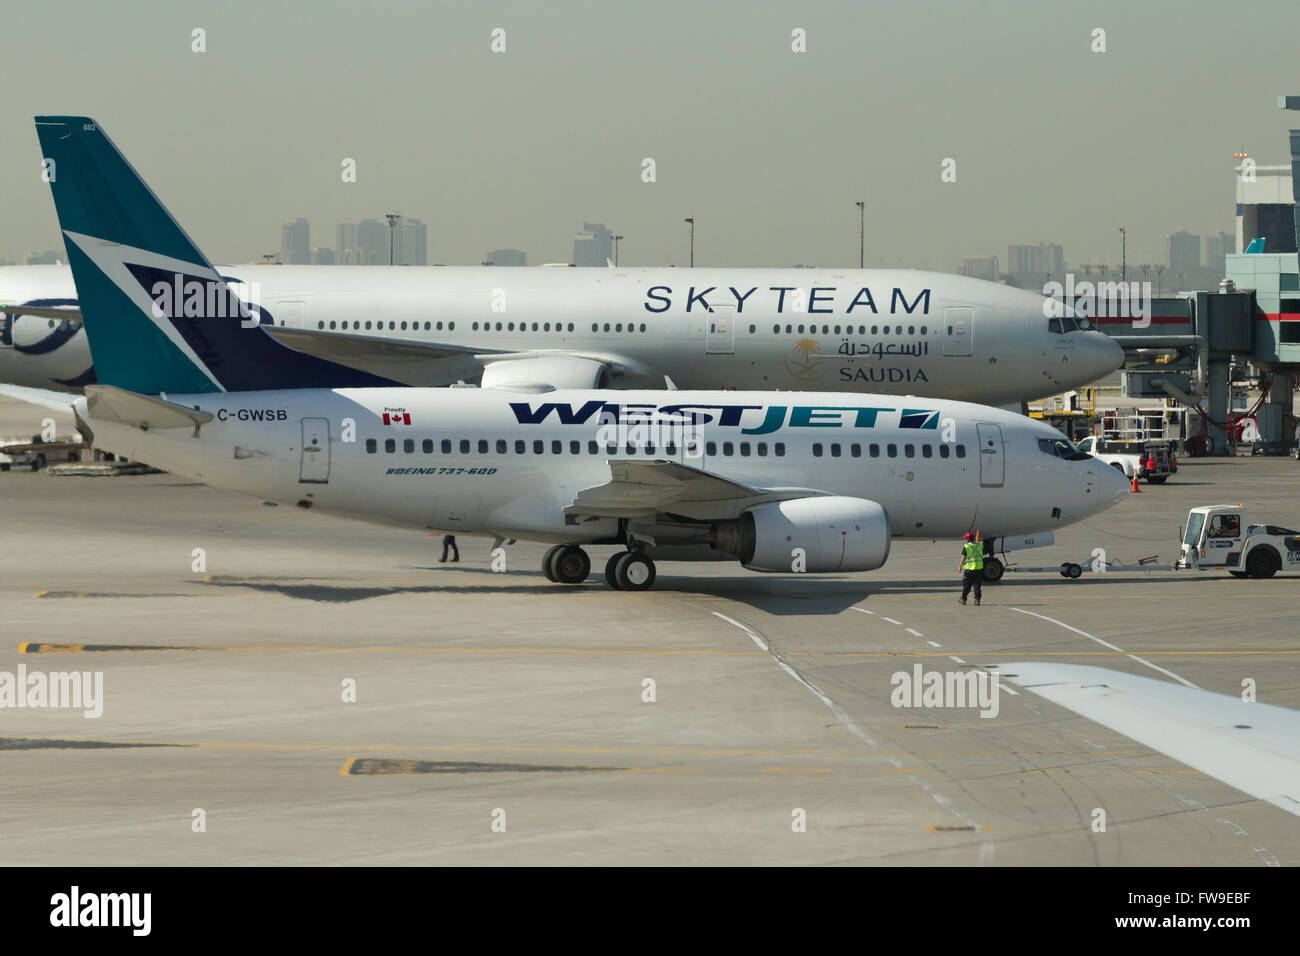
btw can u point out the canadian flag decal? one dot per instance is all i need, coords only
(397, 418)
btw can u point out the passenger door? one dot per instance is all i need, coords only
(992, 455)
(314, 465)
(720, 330)
(958, 330)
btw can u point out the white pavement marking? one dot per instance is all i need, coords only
(863, 610)
(957, 659)
(835, 708)
(914, 632)
(1262, 851)
(892, 621)
(934, 643)
(986, 845)
(1090, 637)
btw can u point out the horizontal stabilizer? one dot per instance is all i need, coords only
(141, 411)
(55, 401)
(42, 312)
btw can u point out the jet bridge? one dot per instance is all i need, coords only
(1183, 346)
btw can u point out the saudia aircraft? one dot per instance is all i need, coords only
(888, 331)
(787, 482)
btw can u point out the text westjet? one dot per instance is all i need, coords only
(755, 419)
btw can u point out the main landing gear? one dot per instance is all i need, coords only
(630, 571)
(566, 564)
(625, 570)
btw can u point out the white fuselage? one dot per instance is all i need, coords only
(897, 332)
(504, 463)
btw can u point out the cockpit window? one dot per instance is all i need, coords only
(1061, 448)
(1068, 323)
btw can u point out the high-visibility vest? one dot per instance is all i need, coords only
(974, 558)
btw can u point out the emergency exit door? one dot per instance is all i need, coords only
(992, 464)
(314, 467)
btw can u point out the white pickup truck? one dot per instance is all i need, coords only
(1152, 461)
(1219, 537)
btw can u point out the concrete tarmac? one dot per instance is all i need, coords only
(501, 719)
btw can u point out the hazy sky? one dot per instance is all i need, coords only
(767, 148)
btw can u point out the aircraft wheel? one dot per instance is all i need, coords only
(571, 565)
(1263, 563)
(611, 575)
(1075, 570)
(993, 570)
(548, 562)
(634, 572)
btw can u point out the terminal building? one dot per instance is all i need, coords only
(1186, 347)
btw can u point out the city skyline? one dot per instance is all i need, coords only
(767, 148)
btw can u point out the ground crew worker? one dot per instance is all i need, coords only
(972, 566)
(449, 544)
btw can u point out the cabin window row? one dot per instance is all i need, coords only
(501, 446)
(844, 330)
(890, 450)
(358, 325)
(791, 329)
(523, 327)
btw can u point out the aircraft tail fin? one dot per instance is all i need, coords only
(158, 316)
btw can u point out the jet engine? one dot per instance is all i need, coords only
(818, 534)
(557, 371)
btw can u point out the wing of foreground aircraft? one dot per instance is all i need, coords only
(645, 488)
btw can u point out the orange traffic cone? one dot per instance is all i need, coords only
(1136, 489)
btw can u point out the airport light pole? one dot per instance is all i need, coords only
(392, 218)
(1123, 256)
(862, 231)
(616, 239)
(691, 221)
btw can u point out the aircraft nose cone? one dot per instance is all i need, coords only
(1107, 354)
(1111, 485)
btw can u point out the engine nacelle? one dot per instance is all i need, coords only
(811, 534)
(557, 371)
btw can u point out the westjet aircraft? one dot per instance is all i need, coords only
(897, 332)
(780, 481)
